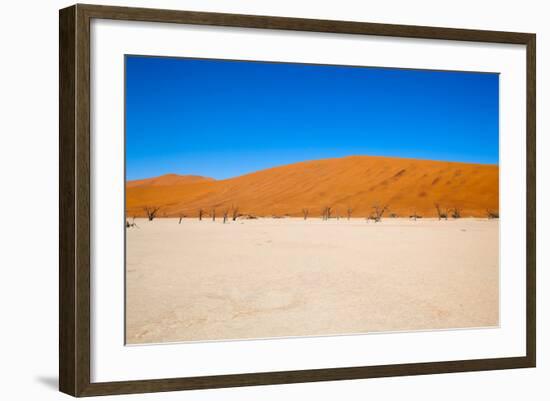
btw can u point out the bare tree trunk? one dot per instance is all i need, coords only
(200, 214)
(327, 212)
(225, 212)
(214, 214)
(151, 212)
(235, 213)
(305, 212)
(456, 214)
(350, 210)
(132, 224)
(181, 217)
(379, 212)
(441, 214)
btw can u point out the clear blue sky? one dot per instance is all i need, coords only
(226, 118)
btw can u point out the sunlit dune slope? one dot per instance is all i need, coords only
(167, 179)
(406, 186)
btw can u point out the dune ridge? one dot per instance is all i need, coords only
(406, 186)
(167, 179)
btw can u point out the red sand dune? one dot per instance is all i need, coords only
(357, 182)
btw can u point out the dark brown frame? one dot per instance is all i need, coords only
(74, 200)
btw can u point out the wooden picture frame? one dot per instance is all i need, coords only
(74, 203)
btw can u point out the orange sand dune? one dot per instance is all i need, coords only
(356, 182)
(167, 179)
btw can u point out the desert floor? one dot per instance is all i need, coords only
(204, 280)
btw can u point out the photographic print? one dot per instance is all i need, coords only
(271, 199)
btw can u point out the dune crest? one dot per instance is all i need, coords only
(167, 179)
(406, 186)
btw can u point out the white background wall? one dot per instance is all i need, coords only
(29, 184)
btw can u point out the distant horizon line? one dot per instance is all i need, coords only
(309, 161)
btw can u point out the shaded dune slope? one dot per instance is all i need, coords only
(356, 182)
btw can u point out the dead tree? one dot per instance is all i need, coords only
(349, 211)
(456, 213)
(327, 212)
(214, 214)
(225, 213)
(181, 218)
(415, 215)
(440, 213)
(235, 213)
(492, 214)
(132, 224)
(151, 212)
(378, 212)
(200, 214)
(305, 212)
(438, 210)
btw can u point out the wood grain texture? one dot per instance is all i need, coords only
(82, 193)
(531, 229)
(302, 376)
(301, 24)
(74, 199)
(67, 131)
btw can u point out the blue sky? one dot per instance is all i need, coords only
(222, 118)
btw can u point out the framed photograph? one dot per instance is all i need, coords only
(249, 200)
